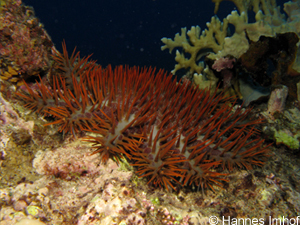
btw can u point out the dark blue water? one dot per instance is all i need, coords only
(123, 32)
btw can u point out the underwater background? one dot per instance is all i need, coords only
(124, 32)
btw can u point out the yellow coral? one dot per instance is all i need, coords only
(267, 6)
(269, 21)
(197, 43)
(9, 73)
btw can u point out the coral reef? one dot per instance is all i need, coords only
(283, 127)
(15, 135)
(68, 193)
(269, 22)
(21, 135)
(100, 145)
(25, 47)
(174, 134)
(84, 191)
(106, 194)
(272, 37)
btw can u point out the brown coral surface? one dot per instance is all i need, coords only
(25, 46)
(174, 134)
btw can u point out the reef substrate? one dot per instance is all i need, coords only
(172, 133)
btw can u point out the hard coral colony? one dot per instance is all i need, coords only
(173, 133)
